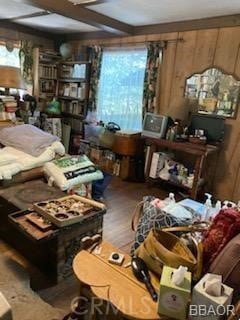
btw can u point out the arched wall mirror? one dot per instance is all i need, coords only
(213, 92)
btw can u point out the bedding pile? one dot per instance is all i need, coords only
(26, 147)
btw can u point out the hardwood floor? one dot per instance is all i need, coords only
(121, 199)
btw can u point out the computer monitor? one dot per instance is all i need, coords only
(213, 126)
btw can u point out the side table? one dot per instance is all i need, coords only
(115, 285)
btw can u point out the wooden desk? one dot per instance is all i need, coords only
(200, 152)
(115, 284)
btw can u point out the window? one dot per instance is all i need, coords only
(9, 58)
(120, 92)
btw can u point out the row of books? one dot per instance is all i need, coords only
(47, 72)
(73, 107)
(75, 71)
(47, 86)
(73, 90)
(8, 104)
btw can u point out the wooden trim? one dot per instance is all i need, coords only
(206, 23)
(26, 16)
(94, 3)
(89, 35)
(82, 14)
(21, 28)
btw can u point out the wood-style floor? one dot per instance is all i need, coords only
(121, 199)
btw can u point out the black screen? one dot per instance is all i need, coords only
(213, 126)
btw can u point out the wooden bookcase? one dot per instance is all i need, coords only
(45, 76)
(73, 88)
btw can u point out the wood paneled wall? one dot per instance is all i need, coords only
(15, 35)
(199, 50)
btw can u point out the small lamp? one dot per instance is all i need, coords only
(10, 77)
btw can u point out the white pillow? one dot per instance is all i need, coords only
(70, 171)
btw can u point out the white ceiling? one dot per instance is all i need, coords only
(132, 12)
(144, 12)
(56, 24)
(10, 9)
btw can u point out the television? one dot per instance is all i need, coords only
(155, 125)
(213, 126)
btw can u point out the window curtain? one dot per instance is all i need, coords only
(154, 60)
(26, 61)
(96, 61)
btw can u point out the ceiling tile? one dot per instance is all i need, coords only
(11, 9)
(142, 12)
(56, 24)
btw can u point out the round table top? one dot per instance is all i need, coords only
(115, 284)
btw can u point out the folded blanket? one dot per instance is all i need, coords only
(6, 158)
(9, 170)
(24, 161)
(27, 138)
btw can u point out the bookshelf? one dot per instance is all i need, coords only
(45, 76)
(73, 89)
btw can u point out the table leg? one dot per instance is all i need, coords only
(197, 176)
(78, 312)
(152, 149)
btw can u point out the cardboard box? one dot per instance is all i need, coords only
(173, 300)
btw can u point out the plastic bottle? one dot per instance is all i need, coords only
(208, 207)
(170, 199)
(216, 209)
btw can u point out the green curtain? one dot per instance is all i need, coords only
(96, 61)
(26, 60)
(154, 59)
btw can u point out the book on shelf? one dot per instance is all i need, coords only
(79, 71)
(47, 72)
(156, 165)
(73, 90)
(66, 71)
(66, 90)
(82, 91)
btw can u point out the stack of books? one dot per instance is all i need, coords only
(8, 107)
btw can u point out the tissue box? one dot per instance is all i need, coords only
(206, 306)
(173, 300)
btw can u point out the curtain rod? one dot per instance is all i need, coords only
(138, 42)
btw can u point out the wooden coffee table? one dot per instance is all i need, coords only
(115, 284)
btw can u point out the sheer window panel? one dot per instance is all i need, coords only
(120, 91)
(9, 58)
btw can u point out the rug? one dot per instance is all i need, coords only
(25, 303)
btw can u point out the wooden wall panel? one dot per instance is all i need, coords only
(226, 57)
(200, 50)
(237, 64)
(227, 48)
(205, 49)
(167, 73)
(182, 69)
(9, 34)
